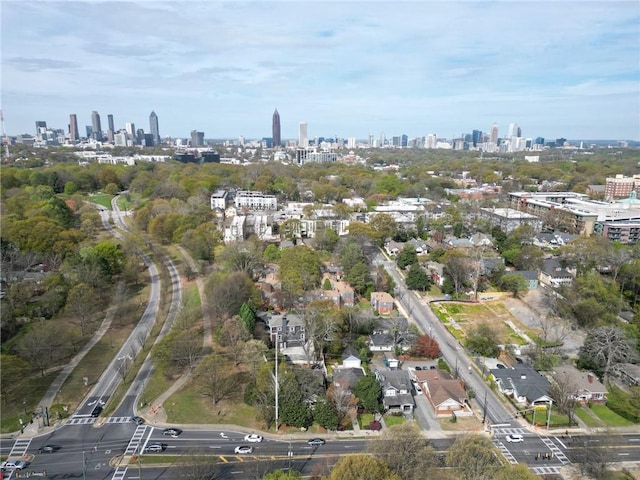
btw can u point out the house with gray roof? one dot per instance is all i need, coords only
(530, 276)
(553, 274)
(396, 390)
(524, 384)
(584, 386)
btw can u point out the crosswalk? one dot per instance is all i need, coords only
(509, 431)
(545, 470)
(19, 447)
(555, 450)
(91, 420)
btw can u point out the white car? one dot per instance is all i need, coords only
(514, 438)
(417, 388)
(13, 465)
(243, 449)
(253, 438)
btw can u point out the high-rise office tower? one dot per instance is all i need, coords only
(275, 129)
(40, 124)
(153, 126)
(110, 132)
(514, 130)
(95, 125)
(73, 128)
(494, 134)
(303, 136)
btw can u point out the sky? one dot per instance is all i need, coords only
(561, 68)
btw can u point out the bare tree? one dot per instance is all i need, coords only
(232, 335)
(215, 380)
(81, 303)
(186, 350)
(343, 400)
(320, 321)
(43, 345)
(197, 465)
(607, 346)
(594, 455)
(563, 391)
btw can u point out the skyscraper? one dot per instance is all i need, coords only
(275, 129)
(73, 128)
(303, 136)
(153, 126)
(111, 130)
(514, 130)
(494, 134)
(95, 125)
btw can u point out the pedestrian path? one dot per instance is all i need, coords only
(81, 421)
(509, 431)
(118, 420)
(546, 470)
(136, 440)
(20, 447)
(555, 450)
(505, 452)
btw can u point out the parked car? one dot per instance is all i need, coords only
(417, 388)
(243, 449)
(314, 442)
(418, 368)
(253, 438)
(500, 366)
(138, 420)
(514, 438)
(171, 432)
(155, 447)
(49, 449)
(13, 465)
(97, 410)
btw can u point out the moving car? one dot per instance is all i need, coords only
(253, 438)
(316, 442)
(243, 449)
(49, 449)
(171, 432)
(155, 447)
(97, 410)
(13, 465)
(138, 420)
(514, 438)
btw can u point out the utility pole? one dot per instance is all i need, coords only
(484, 408)
(5, 140)
(276, 386)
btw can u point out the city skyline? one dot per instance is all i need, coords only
(563, 69)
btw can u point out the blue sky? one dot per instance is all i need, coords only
(557, 68)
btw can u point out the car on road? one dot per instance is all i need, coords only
(253, 438)
(514, 438)
(171, 432)
(242, 449)
(97, 410)
(13, 465)
(138, 420)
(500, 366)
(49, 449)
(155, 447)
(315, 442)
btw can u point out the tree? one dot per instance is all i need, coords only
(12, 374)
(215, 380)
(228, 292)
(361, 467)
(321, 320)
(368, 392)
(474, 457)
(242, 257)
(563, 388)
(43, 345)
(294, 410)
(326, 239)
(325, 414)
(483, 340)
(407, 256)
(457, 265)
(417, 278)
(299, 269)
(513, 282)
(282, 475)
(358, 276)
(605, 347)
(81, 304)
(516, 472)
(343, 402)
(405, 451)
(426, 347)
(383, 226)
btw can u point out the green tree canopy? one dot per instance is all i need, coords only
(299, 269)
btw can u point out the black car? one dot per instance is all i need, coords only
(418, 368)
(500, 366)
(314, 442)
(171, 432)
(97, 410)
(138, 420)
(49, 449)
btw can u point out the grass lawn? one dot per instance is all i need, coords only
(391, 420)
(364, 419)
(609, 417)
(12, 412)
(588, 419)
(462, 424)
(101, 199)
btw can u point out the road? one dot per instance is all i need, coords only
(496, 413)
